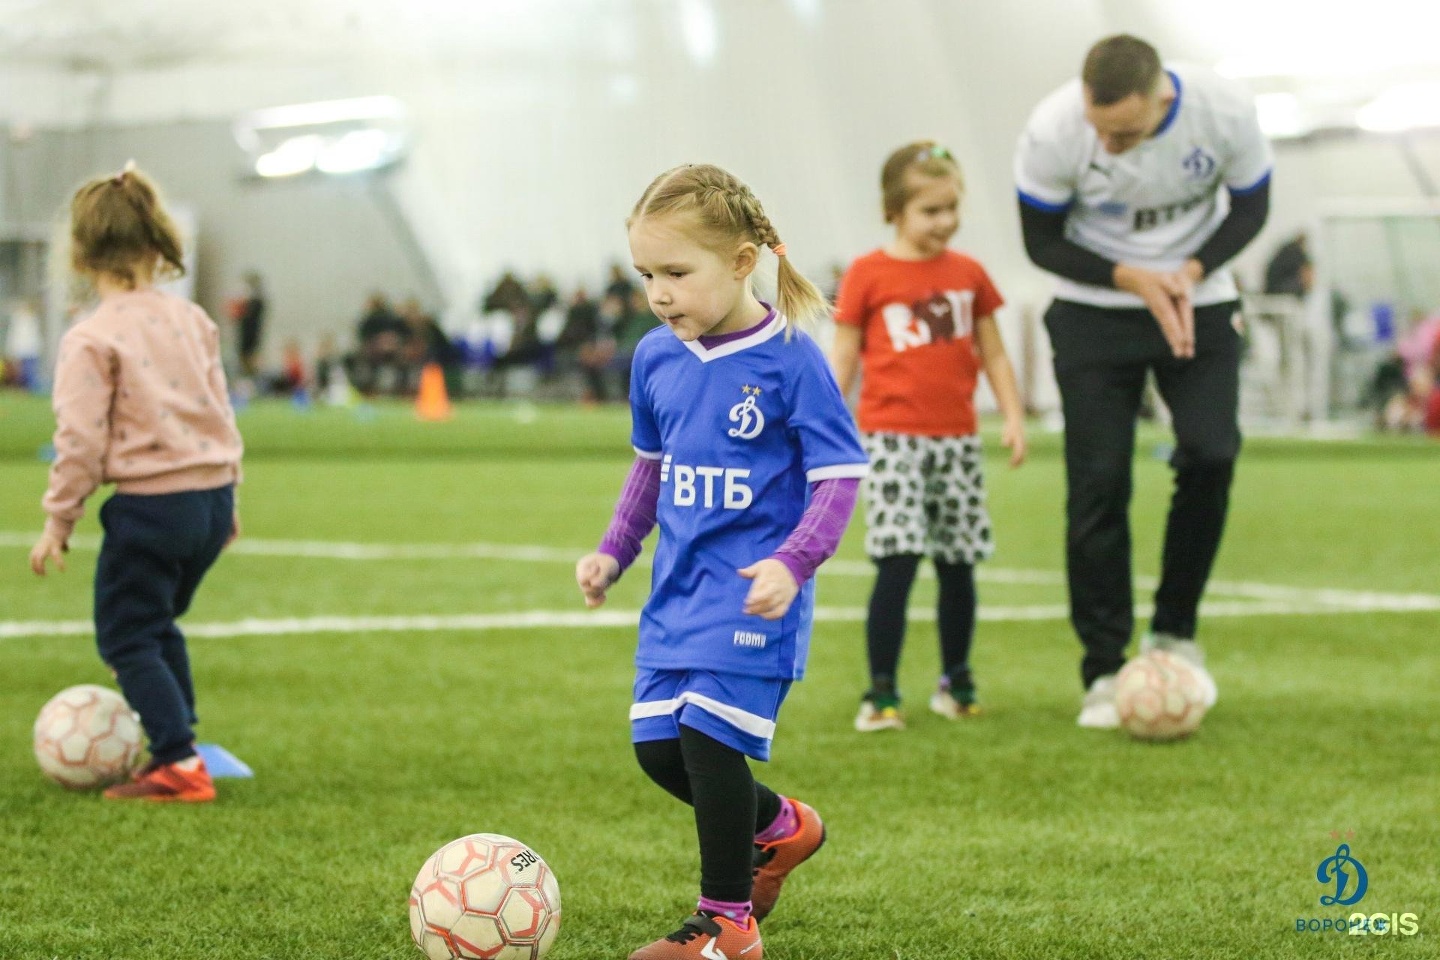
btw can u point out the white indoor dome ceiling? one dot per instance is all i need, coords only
(1327, 56)
(149, 34)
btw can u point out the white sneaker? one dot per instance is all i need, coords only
(1190, 652)
(872, 718)
(946, 705)
(1097, 710)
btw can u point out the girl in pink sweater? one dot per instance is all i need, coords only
(140, 402)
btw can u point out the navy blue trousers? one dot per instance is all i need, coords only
(157, 549)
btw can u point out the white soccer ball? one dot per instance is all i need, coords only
(87, 736)
(1159, 697)
(485, 897)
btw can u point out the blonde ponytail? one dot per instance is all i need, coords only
(119, 223)
(725, 212)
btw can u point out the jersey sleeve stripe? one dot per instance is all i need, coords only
(839, 471)
(1242, 191)
(647, 454)
(1030, 200)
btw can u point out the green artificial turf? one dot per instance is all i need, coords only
(1016, 835)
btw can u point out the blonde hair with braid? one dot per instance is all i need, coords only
(722, 213)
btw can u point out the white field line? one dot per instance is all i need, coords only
(1269, 598)
(340, 550)
(599, 619)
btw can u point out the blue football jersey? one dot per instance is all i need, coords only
(741, 430)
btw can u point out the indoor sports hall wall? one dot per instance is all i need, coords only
(529, 153)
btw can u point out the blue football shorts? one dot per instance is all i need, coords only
(738, 711)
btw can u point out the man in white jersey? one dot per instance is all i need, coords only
(1137, 185)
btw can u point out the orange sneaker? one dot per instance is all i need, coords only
(776, 860)
(184, 781)
(707, 937)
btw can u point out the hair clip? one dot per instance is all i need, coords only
(936, 152)
(128, 168)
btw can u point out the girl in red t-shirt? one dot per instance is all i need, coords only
(919, 319)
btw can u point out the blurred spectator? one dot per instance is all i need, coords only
(1311, 332)
(592, 344)
(526, 345)
(1432, 402)
(542, 296)
(601, 354)
(248, 313)
(379, 365)
(1290, 270)
(427, 343)
(327, 363)
(22, 347)
(509, 295)
(620, 284)
(639, 320)
(581, 319)
(293, 376)
(1406, 389)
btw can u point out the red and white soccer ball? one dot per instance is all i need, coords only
(485, 897)
(1159, 697)
(87, 736)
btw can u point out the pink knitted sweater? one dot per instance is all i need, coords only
(140, 401)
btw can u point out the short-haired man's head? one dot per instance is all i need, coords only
(924, 158)
(119, 226)
(1119, 66)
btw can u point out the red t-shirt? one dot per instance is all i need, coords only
(917, 347)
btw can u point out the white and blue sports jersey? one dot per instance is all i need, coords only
(741, 430)
(1154, 205)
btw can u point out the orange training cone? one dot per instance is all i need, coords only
(432, 402)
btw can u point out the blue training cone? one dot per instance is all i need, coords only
(222, 763)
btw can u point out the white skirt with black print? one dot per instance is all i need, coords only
(926, 496)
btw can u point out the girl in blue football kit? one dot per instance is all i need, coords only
(749, 462)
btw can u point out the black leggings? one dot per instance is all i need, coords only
(885, 625)
(731, 806)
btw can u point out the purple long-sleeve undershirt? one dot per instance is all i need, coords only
(812, 542)
(634, 513)
(821, 526)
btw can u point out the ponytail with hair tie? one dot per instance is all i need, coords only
(724, 212)
(118, 222)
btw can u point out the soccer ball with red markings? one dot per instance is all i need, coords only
(485, 897)
(87, 736)
(1159, 697)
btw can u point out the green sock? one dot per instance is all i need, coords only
(882, 693)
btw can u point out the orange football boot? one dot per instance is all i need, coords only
(184, 781)
(703, 937)
(775, 860)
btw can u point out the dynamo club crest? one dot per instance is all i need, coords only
(748, 415)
